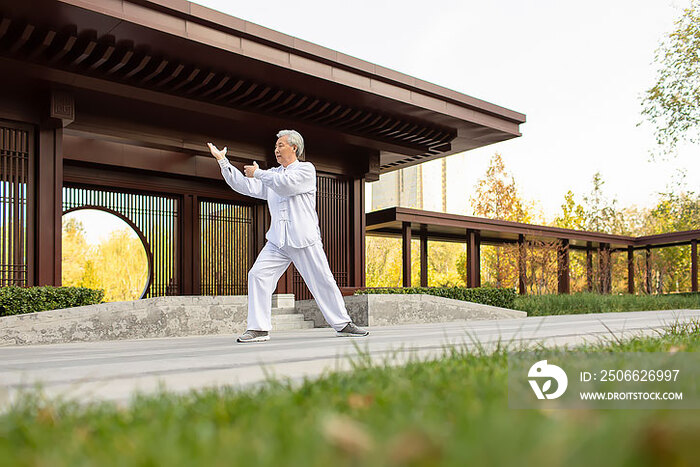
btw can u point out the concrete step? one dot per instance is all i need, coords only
(290, 318)
(292, 326)
(284, 311)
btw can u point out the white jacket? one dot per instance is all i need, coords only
(291, 197)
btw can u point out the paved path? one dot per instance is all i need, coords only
(114, 370)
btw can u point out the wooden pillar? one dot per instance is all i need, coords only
(189, 243)
(589, 267)
(48, 208)
(608, 271)
(357, 252)
(406, 250)
(605, 268)
(694, 265)
(601, 269)
(630, 270)
(564, 278)
(522, 269)
(473, 258)
(261, 223)
(423, 256)
(286, 282)
(49, 205)
(648, 269)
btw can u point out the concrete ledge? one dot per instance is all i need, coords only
(392, 309)
(153, 317)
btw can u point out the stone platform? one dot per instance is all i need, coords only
(152, 317)
(392, 309)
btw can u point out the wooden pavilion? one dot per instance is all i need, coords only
(107, 104)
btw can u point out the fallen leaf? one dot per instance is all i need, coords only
(414, 447)
(347, 435)
(360, 401)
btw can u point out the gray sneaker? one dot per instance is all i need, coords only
(350, 330)
(252, 335)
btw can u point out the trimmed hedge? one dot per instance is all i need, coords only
(588, 302)
(20, 300)
(504, 298)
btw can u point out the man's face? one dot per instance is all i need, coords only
(285, 153)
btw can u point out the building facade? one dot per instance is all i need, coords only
(422, 186)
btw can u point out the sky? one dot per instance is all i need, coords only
(98, 224)
(576, 69)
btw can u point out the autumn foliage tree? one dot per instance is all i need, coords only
(118, 264)
(672, 104)
(496, 197)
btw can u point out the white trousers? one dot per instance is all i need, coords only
(312, 264)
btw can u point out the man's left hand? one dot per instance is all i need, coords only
(249, 170)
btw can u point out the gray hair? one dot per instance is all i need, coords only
(294, 139)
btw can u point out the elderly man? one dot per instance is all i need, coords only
(294, 236)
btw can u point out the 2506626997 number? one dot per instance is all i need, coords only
(638, 375)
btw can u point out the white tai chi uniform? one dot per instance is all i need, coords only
(293, 237)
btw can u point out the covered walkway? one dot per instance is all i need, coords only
(476, 231)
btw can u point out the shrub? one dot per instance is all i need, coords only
(487, 296)
(20, 300)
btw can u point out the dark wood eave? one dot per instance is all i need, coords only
(184, 50)
(453, 227)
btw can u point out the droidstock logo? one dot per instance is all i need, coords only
(543, 371)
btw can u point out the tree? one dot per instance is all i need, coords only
(601, 213)
(75, 250)
(118, 264)
(384, 262)
(121, 266)
(672, 105)
(443, 264)
(573, 215)
(677, 209)
(496, 197)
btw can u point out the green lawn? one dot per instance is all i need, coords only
(451, 411)
(540, 305)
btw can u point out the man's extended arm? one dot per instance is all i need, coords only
(243, 185)
(289, 183)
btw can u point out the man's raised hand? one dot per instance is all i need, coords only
(216, 152)
(250, 169)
